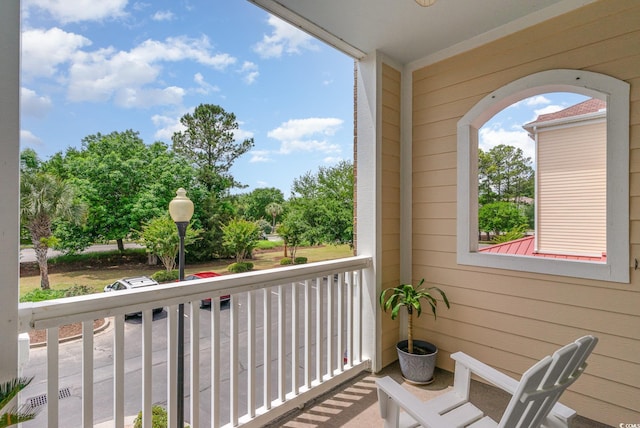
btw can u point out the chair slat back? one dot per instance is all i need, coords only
(541, 385)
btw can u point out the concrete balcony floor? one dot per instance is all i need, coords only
(354, 404)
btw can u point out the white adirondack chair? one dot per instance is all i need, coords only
(533, 403)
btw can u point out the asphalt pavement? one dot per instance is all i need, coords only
(29, 255)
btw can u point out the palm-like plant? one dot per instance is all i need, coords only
(43, 199)
(8, 390)
(410, 297)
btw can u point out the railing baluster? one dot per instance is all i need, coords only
(251, 354)
(233, 362)
(307, 334)
(319, 323)
(330, 308)
(87, 374)
(282, 376)
(295, 329)
(350, 354)
(195, 363)
(215, 362)
(358, 325)
(266, 364)
(340, 309)
(53, 374)
(172, 365)
(118, 372)
(147, 364)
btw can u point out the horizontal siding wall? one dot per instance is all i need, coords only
(571, 171)
(391, 79)
(510, 319)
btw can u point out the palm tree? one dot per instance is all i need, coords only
(43, 199)
(274, 209)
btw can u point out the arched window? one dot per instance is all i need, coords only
(571, 258)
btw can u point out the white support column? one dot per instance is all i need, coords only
(369, 208)
(9, 190)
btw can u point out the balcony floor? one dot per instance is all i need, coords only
(355, 405)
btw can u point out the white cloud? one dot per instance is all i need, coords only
(298, 128)
(297, 135)
(332, 160)
(258, 156)
(145, 98)
(284, 39)
(250, 71)
(66, 11)
(99, 75)
(537, 100)
(163, 15)
(31, 104)
(204, 87)
(241, 134)
(548, 109)
(491, 136)
(167, 126)
(27, 138)
(44, 50)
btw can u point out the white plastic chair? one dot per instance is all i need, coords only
(533, 403)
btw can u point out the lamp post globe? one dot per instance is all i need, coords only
(181, 211)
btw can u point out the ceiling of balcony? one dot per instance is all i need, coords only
(407, 32)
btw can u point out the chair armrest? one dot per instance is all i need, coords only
(407, 401)
(486, 372)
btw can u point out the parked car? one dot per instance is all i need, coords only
(130, 284)
(200, 275)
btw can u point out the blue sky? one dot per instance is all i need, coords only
(110, 65)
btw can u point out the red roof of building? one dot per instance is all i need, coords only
(592, 105)
(525, 247)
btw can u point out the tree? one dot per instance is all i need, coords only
(504, 174)
(498, 217)
(241, 237)
(291, 230)
(274, 210)
(110, 173)
(160, 237)
(325, 202)
(43, 199)
(252, 206)
(165, 173)
(209, 144)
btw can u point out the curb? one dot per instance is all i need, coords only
(107, 323)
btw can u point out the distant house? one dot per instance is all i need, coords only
(571, 177)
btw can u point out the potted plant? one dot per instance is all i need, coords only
(417, 357)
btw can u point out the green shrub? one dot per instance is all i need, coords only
(240, 267)
(39, 295)
(166, 276)
(158, 418)
(286, 261)
(78, 290)
(299, 260)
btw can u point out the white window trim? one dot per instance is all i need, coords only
(616, 94)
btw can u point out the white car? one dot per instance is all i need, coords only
(130, 284)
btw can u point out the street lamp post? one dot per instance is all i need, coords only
(181, 210)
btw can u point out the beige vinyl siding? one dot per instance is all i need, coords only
(571, 202)
(510, 319)
(390, 265)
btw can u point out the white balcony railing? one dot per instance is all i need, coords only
(286, 336)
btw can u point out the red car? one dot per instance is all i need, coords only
(201, 275)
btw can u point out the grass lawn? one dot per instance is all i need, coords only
(96, 279)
